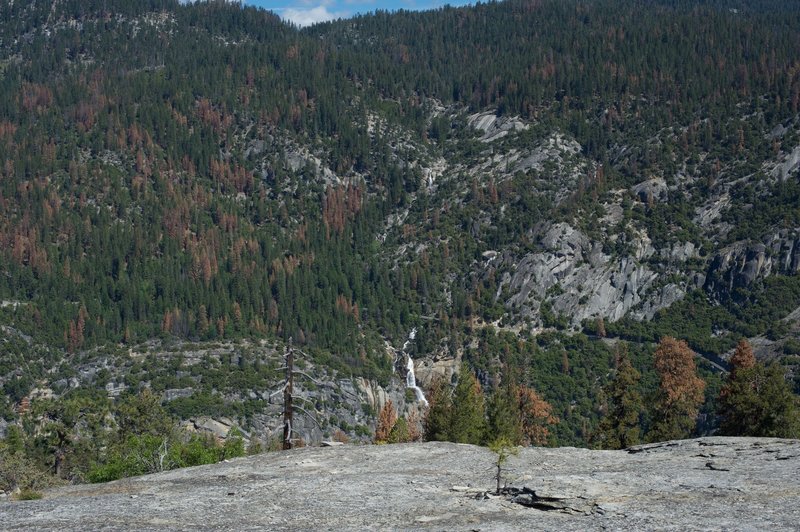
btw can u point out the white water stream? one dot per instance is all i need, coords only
(411, 378)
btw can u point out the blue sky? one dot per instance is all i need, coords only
(306, 12)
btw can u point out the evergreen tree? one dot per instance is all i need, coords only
(503, 449)
(143, 414)
(680, 391)
(504, 421)
(399, 432)
(757, 400)
(437, 419)
(467, 422)
(620, 427)
(70, 431)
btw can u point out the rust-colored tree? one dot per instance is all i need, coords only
(340, 436)
(518, 415)
(680, 392)
(742, 358)
(601, 327)
(386, 421)
(536, 415)
(414, 427)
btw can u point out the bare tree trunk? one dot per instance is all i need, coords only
(287, 398)
(162, 454)
(59, 462)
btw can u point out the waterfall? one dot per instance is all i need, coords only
(411, 336)
(411, 382)
(411, 377)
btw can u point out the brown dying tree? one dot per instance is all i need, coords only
(680, 392)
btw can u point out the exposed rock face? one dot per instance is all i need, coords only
(788, 165)
(219, 429)
(741, 264)
(651, 190)
(430, 369)
(493, 126)
(614, 265)
(710, 483)
(350, 402)
(579, 280)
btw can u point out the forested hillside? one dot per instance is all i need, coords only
(524, 183)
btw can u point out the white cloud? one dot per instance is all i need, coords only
(313, 15)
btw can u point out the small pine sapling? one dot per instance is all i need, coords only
(503, 449)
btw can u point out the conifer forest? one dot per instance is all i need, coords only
(534, 222)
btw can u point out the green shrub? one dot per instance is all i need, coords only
(19, 471)
(233, 446)
(791, 347)
(28, 494)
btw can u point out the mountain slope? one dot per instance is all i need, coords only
(527, 170)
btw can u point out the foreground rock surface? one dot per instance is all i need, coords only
(708, 483)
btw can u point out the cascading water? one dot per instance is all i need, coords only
(411, 377)
(411, 336)
(411, 382)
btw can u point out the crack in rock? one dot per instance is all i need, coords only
(570, 505)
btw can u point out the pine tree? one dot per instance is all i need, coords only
(536, 415)
(386, 422)
(680, 391)
(756, 400)
(142, 414)
(620, 427)
(437, 419)
(742, 358)
(503, 449)
(504, 421)
(467, 422)
(399, 432)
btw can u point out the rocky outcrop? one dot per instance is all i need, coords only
(579, 280)
(651, 190)
(350, 405)
(743, 263)
(495, 127)
(217, 428)
(788, 165)
(710, 483)
(437, 367)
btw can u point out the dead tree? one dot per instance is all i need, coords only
(289, 406)
(288, 389)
